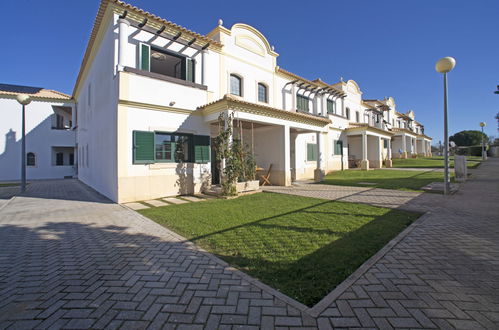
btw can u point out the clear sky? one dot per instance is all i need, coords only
(389, 47)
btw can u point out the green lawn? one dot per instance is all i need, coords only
(433, 162)
(303, 247)
(9, 184)
(387, 179)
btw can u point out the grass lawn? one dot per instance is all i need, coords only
(9, 184)
(303, 247)
(433, 162)
(387, 179)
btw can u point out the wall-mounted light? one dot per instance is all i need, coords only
(172, 103)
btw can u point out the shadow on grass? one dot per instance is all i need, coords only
(304, 259)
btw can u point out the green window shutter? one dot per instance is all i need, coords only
(338, 147)
(201, 148)
(145, 57)
(311, 152)
(189, 70)
(330, 106)
(143, 147)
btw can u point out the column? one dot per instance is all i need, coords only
(343, 107)
(73, 117)
(388, 162)
(287, 157)
(364, 164)
(123, 42)
(379, 153)
(404, 147)
(293, 97)
(319, 170)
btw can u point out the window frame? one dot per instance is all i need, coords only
(333, 106)
(265, 86)
(28, 158)
(240, 78)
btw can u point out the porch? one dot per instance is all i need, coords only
(404, 143)
(369, 147)
(277, 139)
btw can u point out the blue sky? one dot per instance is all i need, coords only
(388, 47)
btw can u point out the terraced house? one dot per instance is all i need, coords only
(148, 88)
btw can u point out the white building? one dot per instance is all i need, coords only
(148, 88)
(150, 92)
(50, 134)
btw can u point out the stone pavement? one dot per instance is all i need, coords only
(71, 259)
(410, 200)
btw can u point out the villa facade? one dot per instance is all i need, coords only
(148, 88)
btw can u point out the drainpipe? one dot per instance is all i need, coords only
(122, 42)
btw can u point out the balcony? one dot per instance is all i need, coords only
(151, 88)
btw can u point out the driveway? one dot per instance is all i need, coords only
(71, 259)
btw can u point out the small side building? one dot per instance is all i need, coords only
(50, 134)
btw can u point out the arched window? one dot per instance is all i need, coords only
(262, 93)
(348, 113)
(30, 159)
(235, 85)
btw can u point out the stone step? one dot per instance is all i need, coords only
(174, 200)
(136, 206)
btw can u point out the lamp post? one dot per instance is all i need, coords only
(24, 100)
(484, 155)
(445, 65)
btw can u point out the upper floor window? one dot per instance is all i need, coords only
(30, 159)
(357, 117)
(59, 121)
(331, 106)
(302, 103)
(166, 63)
(348, 113)
(262, 93)
(235, 85)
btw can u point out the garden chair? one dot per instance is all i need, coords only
(266, 177)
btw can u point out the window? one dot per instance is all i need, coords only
(172, 147)
(165, 62)
(30, 159)
(385, 143)
(338, 147)
(59, 159)
(311, 152)
(302, 103)
(59, 121)
(331, 106)
(162, 147)
(71, 159)
(235, 85)
(262, 93)
(357, 117)
(348, 113)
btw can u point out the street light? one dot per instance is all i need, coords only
(445, 65)
(484, 155)
(24, 100)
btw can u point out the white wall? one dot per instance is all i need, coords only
(97, 120)
(40, 138)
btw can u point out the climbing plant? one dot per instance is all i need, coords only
(239, 161)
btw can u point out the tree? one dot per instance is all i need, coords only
(468, 138)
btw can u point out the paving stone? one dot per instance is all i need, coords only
(193, 198)
(174, 200)
(156, 203)
(136, 206)
(71, 259)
